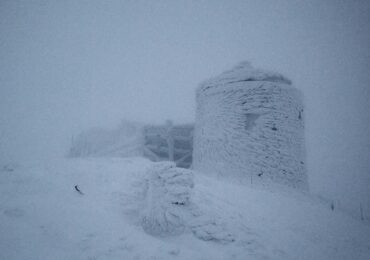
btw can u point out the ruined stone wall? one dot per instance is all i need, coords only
(251, 128)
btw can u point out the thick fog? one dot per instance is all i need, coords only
(66, 66)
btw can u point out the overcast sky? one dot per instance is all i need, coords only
(68, 65)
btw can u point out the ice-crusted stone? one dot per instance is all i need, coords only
(249, 125)
(168, 196)
(169, 209)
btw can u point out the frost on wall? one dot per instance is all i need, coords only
(249, 126)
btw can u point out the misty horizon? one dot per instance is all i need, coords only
(69, 66)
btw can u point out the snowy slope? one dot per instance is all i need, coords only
(42, 216)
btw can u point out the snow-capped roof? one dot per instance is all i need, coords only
(244, 71)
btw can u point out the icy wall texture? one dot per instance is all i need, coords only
(249, 126)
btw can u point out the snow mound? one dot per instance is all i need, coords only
(170, 211)
(207, 228)
(168, 195)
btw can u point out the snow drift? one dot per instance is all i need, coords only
(42, 216)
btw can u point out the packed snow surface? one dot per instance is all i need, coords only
(43, 216)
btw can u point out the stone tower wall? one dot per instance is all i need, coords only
(252, 130)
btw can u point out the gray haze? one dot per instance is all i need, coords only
(68, 65)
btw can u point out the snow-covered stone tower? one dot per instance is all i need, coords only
(249, 126)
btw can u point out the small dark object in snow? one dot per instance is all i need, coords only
(8, 168)
(78, 190)
(260, 174)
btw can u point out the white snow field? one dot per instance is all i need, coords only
(136, 209)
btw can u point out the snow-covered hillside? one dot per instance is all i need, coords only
(43, 216)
